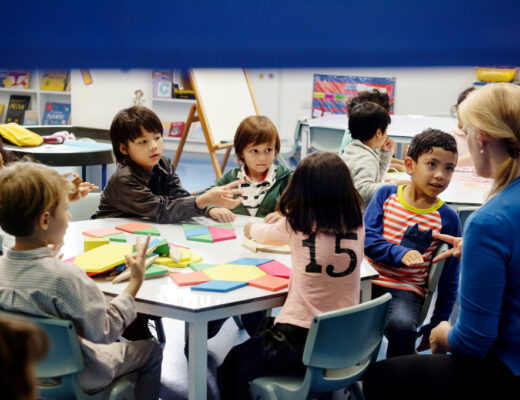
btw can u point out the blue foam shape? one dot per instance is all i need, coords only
(219, 286)
(119, 267)
(251, 261)
(153, 242)
(203, 230)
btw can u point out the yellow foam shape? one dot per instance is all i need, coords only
(187, 257)
(231, 272)
(92, 243)
(104, 257)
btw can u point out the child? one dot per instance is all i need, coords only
(399, 223)
(323, 225)
(256, 144)
(23, 344)
(33, 208)
(145, 184)
(460, 137)
(368, 124)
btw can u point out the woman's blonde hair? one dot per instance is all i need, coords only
(495, 111)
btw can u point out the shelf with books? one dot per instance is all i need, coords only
(172, 100)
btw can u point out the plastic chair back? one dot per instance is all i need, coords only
(284, 156)
(84, 208)
(326, 139)
(433, 281)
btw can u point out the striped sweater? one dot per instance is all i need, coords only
(393, 227)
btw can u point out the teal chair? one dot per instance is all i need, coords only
(340, 346)
(326, 139)
(59, 370)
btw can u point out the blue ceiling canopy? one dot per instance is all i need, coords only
(259, 34)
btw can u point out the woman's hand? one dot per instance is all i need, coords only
(439, 338)
(455, 251)
(220, 214)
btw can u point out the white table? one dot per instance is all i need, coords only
(161, 297)
(402, 128)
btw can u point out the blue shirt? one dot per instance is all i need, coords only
(489, 320)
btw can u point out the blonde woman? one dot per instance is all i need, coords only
(484, 344)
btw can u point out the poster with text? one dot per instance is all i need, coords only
(331, 92)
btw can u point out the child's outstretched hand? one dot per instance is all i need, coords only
(136, 263)
(412, 257)
(455, 251)
(247, 229)
(272, 217)
(81, 189)
(220, 214)
(223, 196)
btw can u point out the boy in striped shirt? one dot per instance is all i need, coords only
(399, 222)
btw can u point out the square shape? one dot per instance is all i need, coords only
(218, 234)
(191, 278)
(251, 261)
(268, 282)
(134, 226)
(219, 286)
(228, 272)
(276, 268)
(101, 232)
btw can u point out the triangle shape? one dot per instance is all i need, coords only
(202, 238)
(152, 231)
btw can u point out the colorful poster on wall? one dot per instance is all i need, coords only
(331, 93)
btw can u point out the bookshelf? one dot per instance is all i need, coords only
(39, 97)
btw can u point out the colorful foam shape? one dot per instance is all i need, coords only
(201, 230)
(104, 257)
(276, 268)
(269, 282)
(219, 286)
(162, 247)
(232, 272)
(251, 261)
(190, 226)
(168, 262)
(148, 231)
(92, 243)
(178, 245)
(219, 234)
(202, 238)
(120, 237)
(134, 226)
(226, 225)
(101, 232)
(155, 271)
(200, 266)
(191, 278)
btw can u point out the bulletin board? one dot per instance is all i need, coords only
(330, 93)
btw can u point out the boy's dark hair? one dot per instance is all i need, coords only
(373, 96)
(255, 129)
(126, 126)
(365, 119)
(7, 156)
(425, 141)
(461, 98)
(321, 196)
(22, 345)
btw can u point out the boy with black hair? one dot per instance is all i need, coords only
(399, 223)
(369, 155)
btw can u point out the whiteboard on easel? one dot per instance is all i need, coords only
(225, 98)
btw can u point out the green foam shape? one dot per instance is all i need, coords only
(120, 237)
(200, 266)
(154, 270)
(227, 225)
(162, 247)
(202, 238)
(187, 227)
(152, 231)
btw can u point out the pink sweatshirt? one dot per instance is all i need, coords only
(312, 293)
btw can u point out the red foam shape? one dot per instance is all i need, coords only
(276, 268)
(218, 234)
(99, 232)
(134, 226)
(189, 279)
(269, 282)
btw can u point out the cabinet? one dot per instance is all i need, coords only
(39, 98)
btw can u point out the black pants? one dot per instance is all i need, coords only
(276, 350)
(440, 376)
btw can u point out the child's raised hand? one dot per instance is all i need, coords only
(388, 145)
(136, 264)
(223, 196)
(272, 217)
(220, 214)
(81, 189)
(412, 257)
(455, 251)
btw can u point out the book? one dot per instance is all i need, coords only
(30, 118)
(56, 114)
(54, 80)
(17, 79)
(176, 129)
(166, 128)
(162, 83)
(16, 108)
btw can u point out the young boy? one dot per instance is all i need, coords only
(369, 155)
(145, 184)
(33, 208)
(399, 222)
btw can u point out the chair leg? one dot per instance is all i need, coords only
(238, 321)
(159, 329)
(356, 389)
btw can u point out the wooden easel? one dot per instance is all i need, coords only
(198, 114)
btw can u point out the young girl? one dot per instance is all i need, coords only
(256, 144)
(323, 225)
